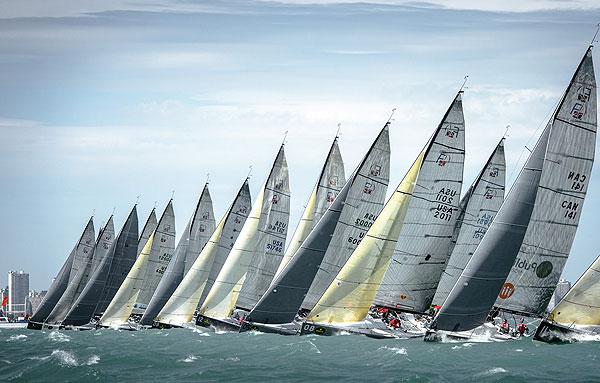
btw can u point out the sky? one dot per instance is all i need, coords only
(105, 102)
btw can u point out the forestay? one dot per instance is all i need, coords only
(362, 206)
(195, 236)
(181, 306)
(563, 186)
(477, 210)
(328, 186)
(425, 241)
(350, 296)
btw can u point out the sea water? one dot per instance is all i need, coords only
(184, 355)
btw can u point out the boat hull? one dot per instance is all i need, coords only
(550, 332)
(282, 329)
(217, 324)
(309, 328)
(487, 332)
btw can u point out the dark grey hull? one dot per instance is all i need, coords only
(217, 324)
(286, 329)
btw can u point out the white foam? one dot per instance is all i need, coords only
(395, 350)
(188, 359)
(16, 337)
(57, 336)
(94, 359)
(314, 347)
(490, 372)
(65, 357)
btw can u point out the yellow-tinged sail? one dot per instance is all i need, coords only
(119, 309)
(224, 294)
(351, 294)
(581, 305)
(180, 307)
(304, 228)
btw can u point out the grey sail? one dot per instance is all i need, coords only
(234, 220)
(272, 234)
(112, 268)
(330, 181)
(473, 296)
(194, 238)
(160, 255)
(147, 231)
(425, 240)
(477, 210)
(563, 187)
(58, 285)
(362, 206)
(77, 284)
(105, 241)
(84, 251)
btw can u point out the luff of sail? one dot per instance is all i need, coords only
(426, 237)
(477, 210)
(85, 250)
(281, 302)
(351, 294)
(559, 202)
(120, 307)
(158, 258)
(362, 206)
(473, 296)
(147, 231)
(195, 236)
(272, 235)
(76, 286)
(181, 306)
(223, 296)
(329, 184)
(57, 287)
(113, 267)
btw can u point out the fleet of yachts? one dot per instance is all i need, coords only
(425, 263)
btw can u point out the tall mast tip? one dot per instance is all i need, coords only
(505, 132)
(337, 134)
(172, 195)
(249, 172)
(595, 35)
(207, 178)
(284, 138)
(390, 119)
(463, 84)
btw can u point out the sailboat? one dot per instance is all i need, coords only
(110, 272)
(60, 283)
(538, 218)
(257, 251)
(77, 284)
(477, 209)
(345, 306)
(332, 237)
(182, 304)
(577, 315)
(195, 236)
(147, 231)
(142, 279)
(425, 241)
(330, 182)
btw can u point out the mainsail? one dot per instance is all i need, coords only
(328, 186)
(76, 286)
(281, 302)
(112, 268)
(180, 307)
(563, 186)
(350, 296)
(224, 294)
(272, 235)
(425, 241)
(85, 250)
(195, 236)
(362, 206)
(477, 210)
(147, 231)
(61, 282)
(105, 240)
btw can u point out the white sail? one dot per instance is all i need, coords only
(559, 201)
(158, 259)
(120, 307)
(105, 241)
(84, 250)
(477, 210)
(362, 206)
(203, 226)
(350, 296)
(180, 308)
(147, 231)
(424, 244)
(224, 294)
(330, 182)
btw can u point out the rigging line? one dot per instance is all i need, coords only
(137, 200)
(249, 172)
(284, 137)
(207, 178)
(391, 115)
(337, 134)
(595, 35)
(463, 84)
(172, 194)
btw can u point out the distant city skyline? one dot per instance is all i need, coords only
(102, 102)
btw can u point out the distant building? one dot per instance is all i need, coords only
(18, 290)
(35, 299)
(561, 290)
